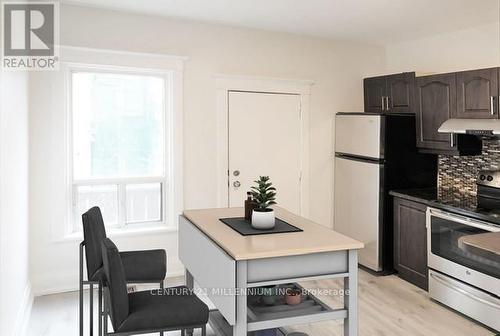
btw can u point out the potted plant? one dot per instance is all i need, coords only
(269, 295)
(264, 195)
(293, 296)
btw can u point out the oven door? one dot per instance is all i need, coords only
(447, 255)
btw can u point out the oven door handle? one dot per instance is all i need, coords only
(463, 220)
(450, 285)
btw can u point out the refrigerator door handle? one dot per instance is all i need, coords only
(364, 159)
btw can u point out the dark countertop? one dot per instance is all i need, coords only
(465, 207)
(416, 195)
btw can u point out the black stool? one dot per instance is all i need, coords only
(175, 308)
(140, 266)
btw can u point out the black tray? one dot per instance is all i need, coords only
(244, 227)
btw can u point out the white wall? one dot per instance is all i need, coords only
(337, 68)
(15, 293)
(461, 50)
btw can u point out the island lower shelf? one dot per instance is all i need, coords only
(263, 317)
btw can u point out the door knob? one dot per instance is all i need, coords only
(236, 184)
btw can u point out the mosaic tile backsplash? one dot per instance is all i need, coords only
(457, 174)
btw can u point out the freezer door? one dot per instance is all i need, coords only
(357, 206)
(359, 135)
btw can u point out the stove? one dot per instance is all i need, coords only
(460, 276)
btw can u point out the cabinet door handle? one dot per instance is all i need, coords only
(383, 104)
(452, 140)
(492, 105)
(387, 103)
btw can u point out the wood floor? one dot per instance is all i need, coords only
(388, 307)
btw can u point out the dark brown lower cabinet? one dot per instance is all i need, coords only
(410, 242)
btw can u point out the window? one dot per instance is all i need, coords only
(119, 146)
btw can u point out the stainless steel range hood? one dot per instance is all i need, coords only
(479, 127)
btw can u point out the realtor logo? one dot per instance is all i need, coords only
(30, 35)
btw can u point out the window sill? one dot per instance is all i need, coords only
(123, 232)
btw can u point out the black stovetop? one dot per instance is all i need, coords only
(464, 205)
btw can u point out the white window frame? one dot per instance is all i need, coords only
(168, 192)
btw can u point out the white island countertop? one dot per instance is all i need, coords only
(314, 238)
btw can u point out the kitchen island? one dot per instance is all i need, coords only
(227, 265)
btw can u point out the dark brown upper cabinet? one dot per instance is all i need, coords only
(389, 94)
(375, 89)
(436, 102)
(400, 92)
(477, 94)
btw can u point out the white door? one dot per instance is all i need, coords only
(357, 206)
(264, 139)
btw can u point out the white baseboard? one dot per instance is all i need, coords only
(61, 282)
(24, 313)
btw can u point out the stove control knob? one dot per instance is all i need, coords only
(482, 177)
(489, 178)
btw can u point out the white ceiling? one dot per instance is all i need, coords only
(372, 21)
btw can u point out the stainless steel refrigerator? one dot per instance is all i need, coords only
(375, 153)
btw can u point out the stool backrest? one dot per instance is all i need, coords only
(116, 283)
(93, 234)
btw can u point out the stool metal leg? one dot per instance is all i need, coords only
(105, 312)
(81, 308)
(204, 331)
(162, 286)
(81, 289)
(91, 309)
(100, 308)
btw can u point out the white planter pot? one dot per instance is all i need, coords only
(263, 220)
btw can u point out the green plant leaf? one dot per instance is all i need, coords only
(263, 193)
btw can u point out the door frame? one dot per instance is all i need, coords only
(226, 84)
